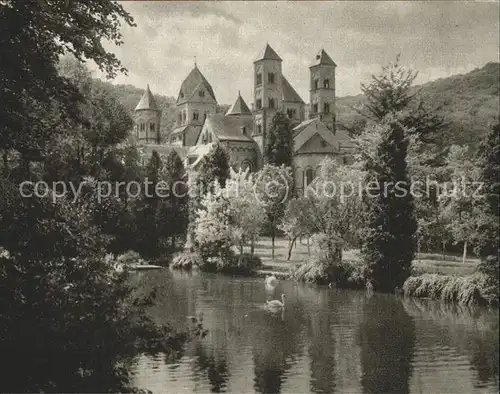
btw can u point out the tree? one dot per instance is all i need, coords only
(389, 245)
(331, 207)
(34, 35)
(246, 210)
(214, 166)
(457, 198)
(489, 208)
(273, 188)
(278, 149)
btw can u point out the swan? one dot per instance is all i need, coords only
(275, 304)
(271, 281)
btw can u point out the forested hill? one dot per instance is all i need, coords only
(469, 103)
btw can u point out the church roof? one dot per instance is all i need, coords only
(322, 58)
(289, 93)
(229, 128)
(190, 133)
(268, 53)
(239, 107)
(147, 101)
(191, 84)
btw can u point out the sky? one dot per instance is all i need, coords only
(437, 39)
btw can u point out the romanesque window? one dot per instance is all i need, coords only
(182, 95)
(271, 102)
(326, 108)
(209, 138)
(326, 83)
(323, 143)
(258, 80)
(259, 103)
(246, 164)
(270, 77)
(309, 177)
(143, 127)
(196, 115)
(316, 83)
(289, 112)
(315, 108)
(201, 93)
(152, 127)
(259, 129)
(180, 117)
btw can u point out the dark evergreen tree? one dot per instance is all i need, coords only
(489, 207)
(176, 204)
(278, 148)
(389, 246)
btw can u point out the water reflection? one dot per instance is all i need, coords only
(387, 339)
(326, 341)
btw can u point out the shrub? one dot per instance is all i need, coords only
(346, 274)
(187, 261)
(247, 263)
(467, 290)
(130, 257)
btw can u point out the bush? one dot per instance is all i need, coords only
(467, 290)
(246, 263)
(346, 274)
(187, 261)
(130, 257)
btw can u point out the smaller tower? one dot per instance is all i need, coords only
(322, 91)
(239, 108)
(147, 119)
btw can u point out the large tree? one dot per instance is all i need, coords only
(389, 245)
(489, 208)
(278, 148)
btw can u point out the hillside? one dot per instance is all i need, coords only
(468, 103)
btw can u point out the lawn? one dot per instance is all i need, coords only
(429, 262)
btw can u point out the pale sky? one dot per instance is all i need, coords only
(437, 39)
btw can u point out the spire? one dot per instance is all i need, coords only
(147, 101)
(268, 53)
(195, 65)
(239, 107)
(322, 58)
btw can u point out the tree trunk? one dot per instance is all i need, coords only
(241, 248)
(5, 163)
(464, 257)
(444, 244)
(252, 247)
(272, 244)
(418, 250)
(308, 247)
(292, 242)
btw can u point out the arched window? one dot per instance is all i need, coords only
(309, 176)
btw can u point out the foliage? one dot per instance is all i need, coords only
(212, 229)
(273, 188)
(468, 290)
(187, 261)
(246, 210)
(458, 198)
(214, 166)
(65, 313)
(389, 240)
(345, 274)
(278, 148)
(489, 208)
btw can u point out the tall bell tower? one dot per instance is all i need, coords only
(322, 90)
(268, 92)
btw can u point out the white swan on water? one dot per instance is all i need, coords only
(271, 281)
(275, 304)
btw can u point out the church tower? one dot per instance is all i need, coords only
(268, 92)
(147, 120)
(322, 90)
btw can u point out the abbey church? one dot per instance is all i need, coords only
(242, 130)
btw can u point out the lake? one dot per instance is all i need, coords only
(325, 341)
